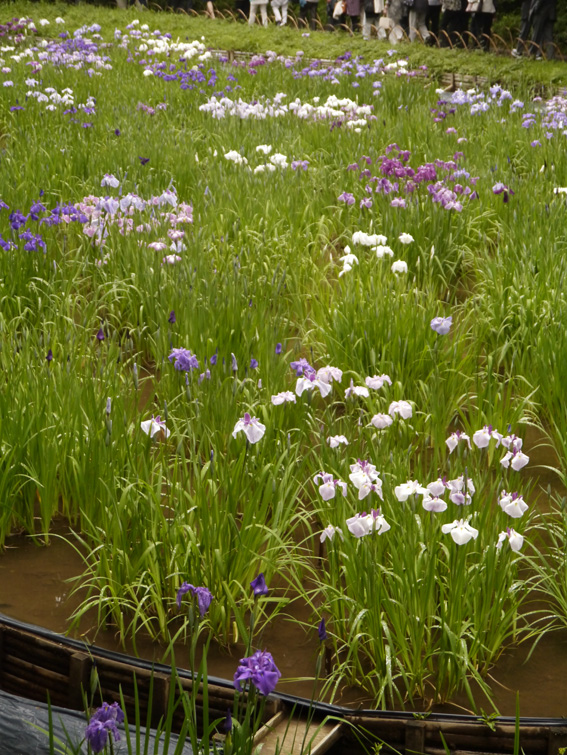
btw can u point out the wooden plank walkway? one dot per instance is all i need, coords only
(285, 734)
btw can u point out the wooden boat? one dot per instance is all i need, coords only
(35, 663)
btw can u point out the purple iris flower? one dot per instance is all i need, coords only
(144, 160)
(260, 669)
(171, 319)
(227, 723)
(33, 241)
(100, 334)
(442, 325)
(253, 364)
(259, 585)
(301, 366)
(49, 356)
(17, 220)
(5, 244)
(203, 595)
(185, 360)
(214, 358)
(347, 198)
(278, 348)
(500, 188)
(103, 722)
(322, 630)
(234, 363)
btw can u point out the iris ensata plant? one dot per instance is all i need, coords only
(256, 674)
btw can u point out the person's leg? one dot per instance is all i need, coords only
(421, 24)
(433, 16)
(462, 26)
(252, 18)
(312, 16)
(447, 28)
(264, 12)
(395, 14)
(547, 43)
(284, 13)
(525, 27)
(368, 21)
(412, 25)
(539, 33)
(277, 14)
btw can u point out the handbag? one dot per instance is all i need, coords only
(339, 9)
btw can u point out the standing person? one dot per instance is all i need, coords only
(418, 20)
(483, 12)
(396, 11)
(242, 7)
(524, 34)
(373, 10)
(353, 9)
(280, 11)
(544, 15)
(308, 9)
(455, 22)
(254, 5)
(433, 16)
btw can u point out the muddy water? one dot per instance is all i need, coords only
(34, 588)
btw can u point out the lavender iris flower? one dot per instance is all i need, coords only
(172, 319)
(442, 325)
(253, 364)
(301, 366)
(234, 363)
(259, 585)
(214, 358)
(103, 722)
(144, 160)
(260, 669)
(322, 630)
(100, 334)
(49, 356)
(185, 360)
(346, 197)
(278, 348)
(203, 595)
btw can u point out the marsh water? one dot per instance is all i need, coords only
(35, 588)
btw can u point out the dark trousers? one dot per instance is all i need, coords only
(433, 16)
(525, 27)
(455, 23)
(542, 37)
(481, 26)
(309, 10)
